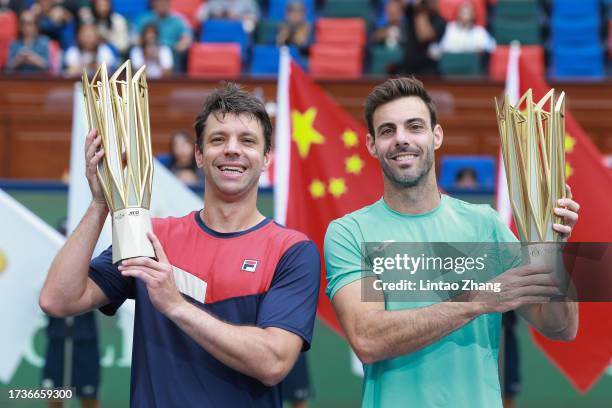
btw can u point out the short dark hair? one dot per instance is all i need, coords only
(393, 89)
(232, 99)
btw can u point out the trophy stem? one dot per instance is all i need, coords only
(130, 227)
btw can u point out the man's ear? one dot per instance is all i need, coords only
(267, 160)
(438, 134)
(199, 156)
(371, 145)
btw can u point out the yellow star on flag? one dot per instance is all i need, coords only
(304, 134)
(568, 170)
(569, 143)
(317, 188)
(337, 187)
(350, 138)
(354, 164)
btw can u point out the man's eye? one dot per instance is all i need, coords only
(386, 131)
(249, 141)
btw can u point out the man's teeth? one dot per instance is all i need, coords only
(232, 169)
(404, 157)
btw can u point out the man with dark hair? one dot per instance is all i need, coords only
(231, 100)
(228, 305)
(441, 354)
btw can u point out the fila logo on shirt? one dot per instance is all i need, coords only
(249, 265)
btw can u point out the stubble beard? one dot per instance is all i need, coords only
(424, 167)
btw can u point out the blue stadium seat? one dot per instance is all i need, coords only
(578, 62)
(131, 9)
(276, 10)
(575, 9)
(484, 166)
(574, 32)
(264, 60)
(266, 57)
(225, 31)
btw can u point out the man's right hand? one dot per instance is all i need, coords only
(519, 286)
(93, 154)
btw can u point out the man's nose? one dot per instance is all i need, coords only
(402, 136)
(232, 147)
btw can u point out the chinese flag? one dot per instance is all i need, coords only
(584, 360)
(322, 168)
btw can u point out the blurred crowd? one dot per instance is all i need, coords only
(65, 36)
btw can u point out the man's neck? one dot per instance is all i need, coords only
(415, 200)
(230, 216)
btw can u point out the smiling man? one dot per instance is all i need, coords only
(440, 354)
(230, 302)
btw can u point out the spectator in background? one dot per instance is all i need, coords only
(182, 159)
(112, 27)
(393, 33)
(424, 30)
(466, 178)
(173, 31)
(30, 51)
(157, 57)
(295, 30)
(463, 35)
(54, 20)
(90, 52)
(246, 11)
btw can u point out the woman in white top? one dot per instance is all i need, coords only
(463, 35)
(112, 27)
(89, 53)
(158, 58)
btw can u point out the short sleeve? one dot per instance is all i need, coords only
(484, 41)
(137, 57)
(72, 58)
(115, 286)
(342, 253)
(291, 302)
(184, 28)
(105, 55)
(165, 58)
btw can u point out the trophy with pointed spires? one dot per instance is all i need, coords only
(119, 109)
(532, 142)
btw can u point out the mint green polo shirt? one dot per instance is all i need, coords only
(459, 370)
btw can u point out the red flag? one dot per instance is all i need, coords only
(323, 171)
(586, 358)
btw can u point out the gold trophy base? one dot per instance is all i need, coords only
(130, 227)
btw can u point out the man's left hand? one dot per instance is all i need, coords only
(157, 276)
(568, 210)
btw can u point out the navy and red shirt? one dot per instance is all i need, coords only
(266, 276)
